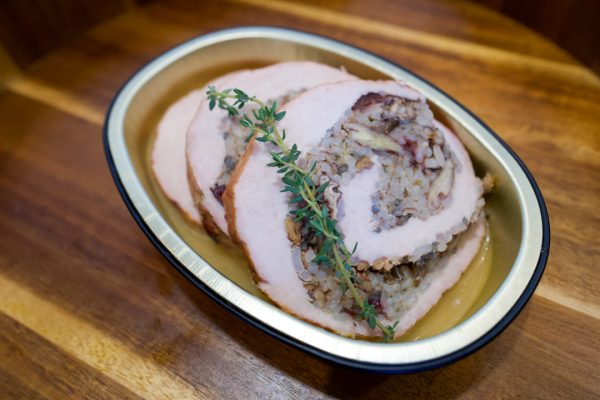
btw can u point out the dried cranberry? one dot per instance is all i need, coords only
(375, 300)
(217, 191)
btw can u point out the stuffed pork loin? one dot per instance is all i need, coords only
(402, 186)
(168, 151)
(216, 141)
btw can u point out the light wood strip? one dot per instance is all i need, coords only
(425, 39)
(558, 296)
(56, 99)
(86, 343)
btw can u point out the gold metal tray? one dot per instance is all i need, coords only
(516, 210)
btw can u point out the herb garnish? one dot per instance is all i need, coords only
(298, 182)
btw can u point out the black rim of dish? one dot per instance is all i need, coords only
(361, 365)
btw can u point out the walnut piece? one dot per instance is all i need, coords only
(488, 183)
(364, 163)
(292, 228)
(362, 266)
(383, 263)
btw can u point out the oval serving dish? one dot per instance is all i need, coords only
(516, 211)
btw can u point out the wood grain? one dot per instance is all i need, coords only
(41, 369)
(571, 24)
(8, 68)
(89, 308)
(30, 29)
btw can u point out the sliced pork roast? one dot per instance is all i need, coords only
(216, 141)
(402, 186)
(168, 151)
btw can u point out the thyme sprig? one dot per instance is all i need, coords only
(305, 193)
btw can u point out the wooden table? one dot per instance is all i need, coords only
(89, 309)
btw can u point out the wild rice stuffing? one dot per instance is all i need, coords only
(235, 143)
(399, 134)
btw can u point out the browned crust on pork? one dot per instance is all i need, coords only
(208, 222)
(230, 212)
(184, 212)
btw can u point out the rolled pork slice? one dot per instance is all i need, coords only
(405, 259)
(168, 152)
(215, 141)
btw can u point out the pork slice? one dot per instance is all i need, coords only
(168, 151)
(206, 145)
(257, 211)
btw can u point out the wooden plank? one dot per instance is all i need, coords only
(95, 66)
(58, 99)
(107, 283)
(34, 368)
(459, 20)
(74, 267)
(571, 24)
(31, 29)
(433, 41)
(97, 350)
